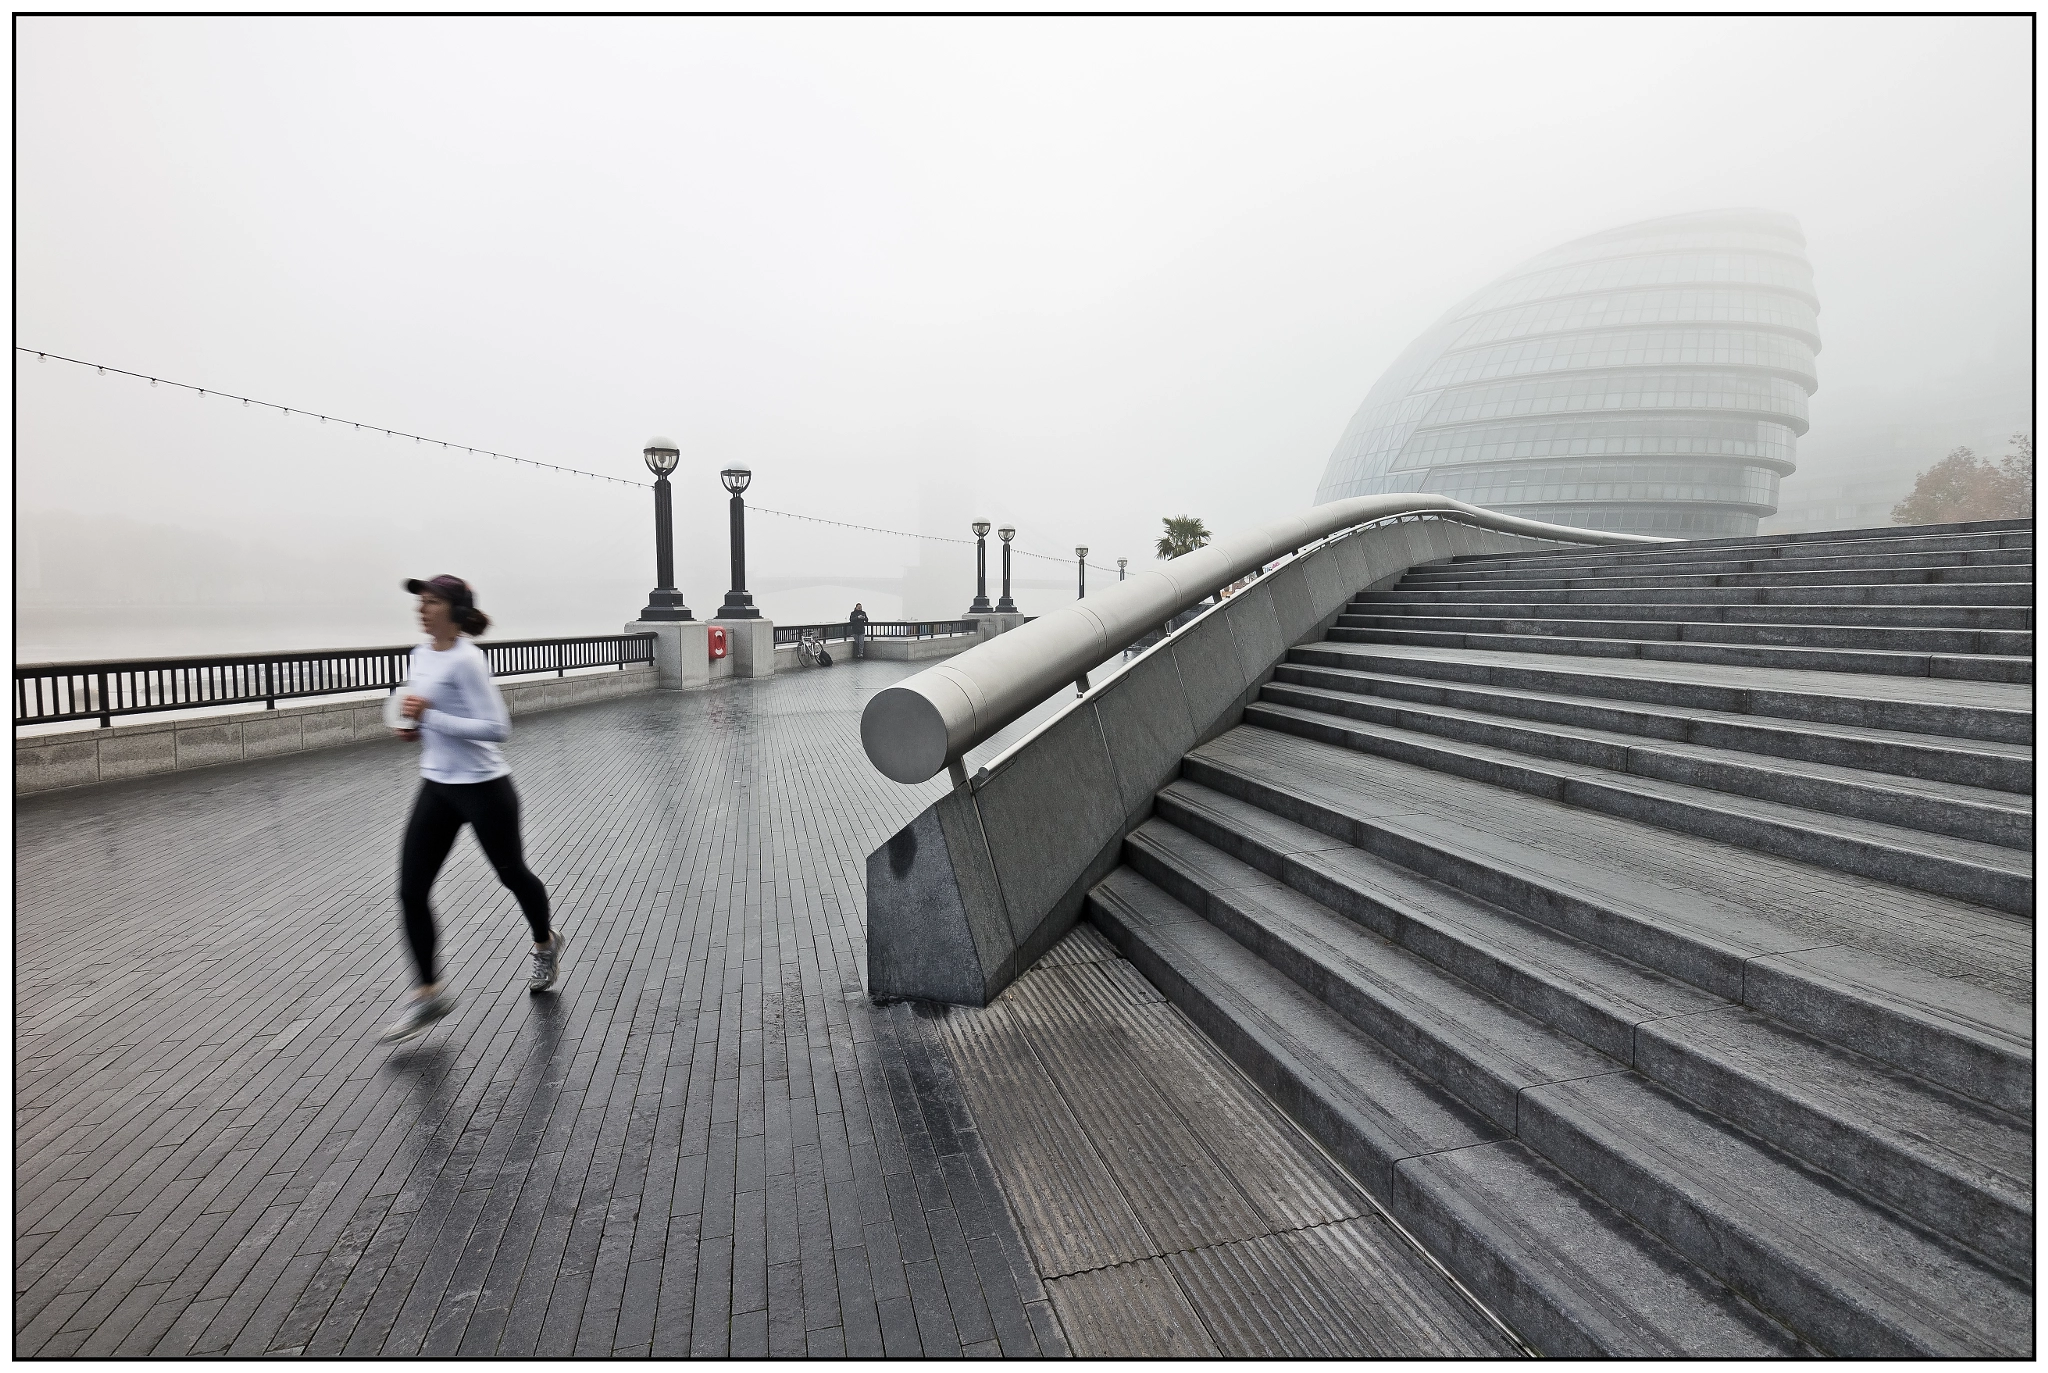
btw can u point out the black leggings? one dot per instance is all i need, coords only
(438, 814)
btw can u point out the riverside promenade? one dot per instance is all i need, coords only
(707, 1142)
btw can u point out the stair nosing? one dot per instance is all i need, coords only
(1755, 966)
(1838, 828)
(1986, 798)
(1868, 1127)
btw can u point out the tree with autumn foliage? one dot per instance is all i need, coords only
(1963, 486)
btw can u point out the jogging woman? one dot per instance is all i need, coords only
(459, 718)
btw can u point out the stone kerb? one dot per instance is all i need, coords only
(920, 650)
(973, 891)
(141, 748)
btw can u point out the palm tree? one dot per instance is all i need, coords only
(1184, 534)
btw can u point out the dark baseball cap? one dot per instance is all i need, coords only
(453, 590)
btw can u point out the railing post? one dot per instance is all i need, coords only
(106, 715)
(269, 686)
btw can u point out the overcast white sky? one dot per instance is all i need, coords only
(1073, 274)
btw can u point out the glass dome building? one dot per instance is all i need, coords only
(1650, 379)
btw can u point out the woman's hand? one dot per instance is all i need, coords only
(413, 706)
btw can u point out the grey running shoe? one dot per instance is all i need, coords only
(547, 962)
(419, 1017)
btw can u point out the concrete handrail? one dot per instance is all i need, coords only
(927, 722)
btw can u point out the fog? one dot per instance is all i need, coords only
(1073, 275)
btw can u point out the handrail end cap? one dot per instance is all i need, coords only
(904, 735)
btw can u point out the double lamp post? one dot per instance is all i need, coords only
(665, 602)
(980, 605)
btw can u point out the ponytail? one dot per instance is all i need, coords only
(470, 620)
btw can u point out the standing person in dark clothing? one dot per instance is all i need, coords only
(452, 707)
(859, 620)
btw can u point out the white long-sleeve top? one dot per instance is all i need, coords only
(465, 719)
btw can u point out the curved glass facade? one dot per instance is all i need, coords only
(1652, 378)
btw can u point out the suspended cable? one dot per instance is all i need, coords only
(103, 369)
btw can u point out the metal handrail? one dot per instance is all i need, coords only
(921, 629)
(927, 722)
(788, 635)
(51, 693)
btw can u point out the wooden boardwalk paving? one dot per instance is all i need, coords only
(706, 1142)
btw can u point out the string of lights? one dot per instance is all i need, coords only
(103, 369)
(324, 419)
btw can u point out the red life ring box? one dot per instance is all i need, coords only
(715, 637)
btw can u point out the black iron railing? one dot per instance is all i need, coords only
(786, 635)
(921, 629)
(47, 693)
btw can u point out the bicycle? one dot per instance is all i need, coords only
(811, 650)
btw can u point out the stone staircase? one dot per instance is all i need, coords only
(1650, 931)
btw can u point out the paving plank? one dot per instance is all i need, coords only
(217, 1156)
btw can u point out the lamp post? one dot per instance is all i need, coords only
(1006, 606)
(1121, 564)
(738, 604)
(664, 602)
(1081, 572)
(981, 605)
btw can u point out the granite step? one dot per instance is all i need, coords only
(1565, 1270)
(1989, 711)
(1812, 1253)
(1566, 578)
(1206, 837)
(1693, 563)
(1847, 1275)
(1678, 629)
(1978, 534)
(1963, 869)
(1880, 662)
(1954, 1165)
(1483, 1051)
(2004, 768)
(1797, 592)
(1960, 811)
(1996, 619)
(1848, 962)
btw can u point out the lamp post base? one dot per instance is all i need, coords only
(981, 607)
(750, 648)
(738, 606)
(1006, 606)
(665, 603)
(680, 659)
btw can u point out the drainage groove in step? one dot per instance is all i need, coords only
(1126, 1144)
